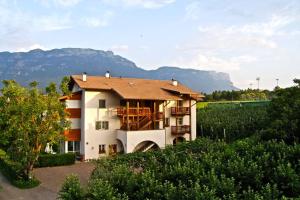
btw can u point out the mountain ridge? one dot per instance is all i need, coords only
(45, 66)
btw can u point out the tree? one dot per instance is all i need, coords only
(30, 119)
(284, 112)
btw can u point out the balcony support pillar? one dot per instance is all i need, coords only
(127, 114)
(138, 114)
(190, 118)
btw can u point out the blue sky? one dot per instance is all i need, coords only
(245, 38)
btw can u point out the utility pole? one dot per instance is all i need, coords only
(258, 79)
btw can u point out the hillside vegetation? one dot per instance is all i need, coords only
(25, 67)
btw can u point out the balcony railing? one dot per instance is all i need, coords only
(180, 110)
(143, 111)
(180, 130)
(133, 111)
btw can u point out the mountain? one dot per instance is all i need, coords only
(52, 65)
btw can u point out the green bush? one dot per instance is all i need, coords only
(50, 160)
(26, 184)
(14, 173)
(202, 169)
(71, 189)
(99, 189)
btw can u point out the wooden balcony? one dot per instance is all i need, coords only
(180, 110)
(180, 130)
(72, 134)
(143, 111)
(74, 112)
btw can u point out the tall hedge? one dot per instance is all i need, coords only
(50, 160)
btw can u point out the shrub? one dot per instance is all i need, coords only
(202, 169)
(50, 160)
(25, 184)
(71, 189)
(14, 173)
(99, 189)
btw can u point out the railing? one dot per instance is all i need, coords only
(179, 130)
(133, 111)
(180, 110)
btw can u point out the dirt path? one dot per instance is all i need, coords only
(51, 180)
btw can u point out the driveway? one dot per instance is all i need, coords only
(51, 180)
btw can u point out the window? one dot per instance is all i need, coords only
(98, 125)
(73, 146)
(167, 122)
(180, 121)
(104, 125)
(101, 148)
(112, 149)
(77, 146)
(102, 103)
(70, 146)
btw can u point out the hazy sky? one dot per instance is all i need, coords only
(245, 38)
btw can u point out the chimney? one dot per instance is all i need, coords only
(174, 82)
(107, 75)
(84, 77)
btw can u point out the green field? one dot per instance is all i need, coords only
(231, 120)
(201, 105)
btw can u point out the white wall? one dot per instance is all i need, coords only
(82, 123)
(92, 113)
(73, 103)
(132, 138)
(186, 121)
(194, 119)
(75, 123)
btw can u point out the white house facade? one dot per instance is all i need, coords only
(111, 115)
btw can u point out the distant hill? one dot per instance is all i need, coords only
(52, 65)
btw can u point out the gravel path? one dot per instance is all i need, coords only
(51, 180)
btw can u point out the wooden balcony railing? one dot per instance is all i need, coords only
(121, 111)
(180, 110)
(180, 130)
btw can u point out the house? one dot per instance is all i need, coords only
(114, 114)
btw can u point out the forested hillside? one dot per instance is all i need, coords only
(52, 65)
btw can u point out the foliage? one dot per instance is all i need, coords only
(13, 172)
(71, 189)
(284, 112)
(231, 121)
(239, 95)
(30, 118)
(100, 189)
(203, 169)
(50, 160)
(64, 86)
